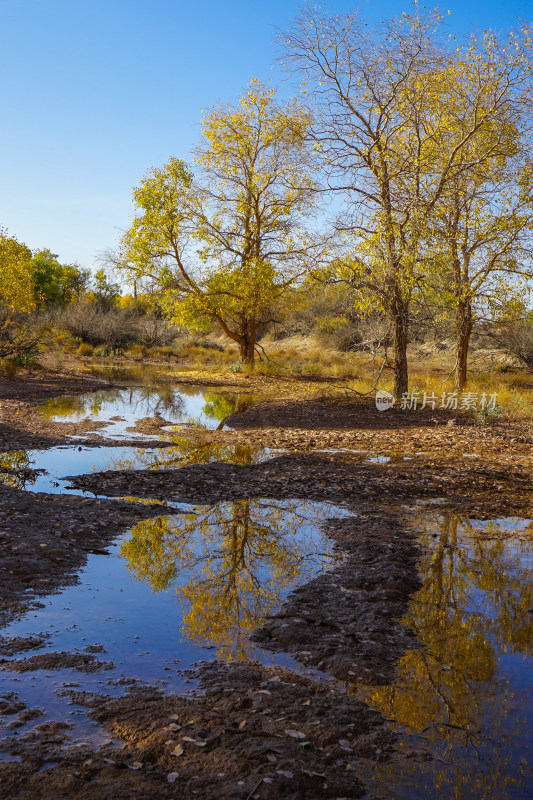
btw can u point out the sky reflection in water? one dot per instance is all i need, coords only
(178, 589)
(44, 470)
(120, 408)
(466, 697)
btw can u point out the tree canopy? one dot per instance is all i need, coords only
(55, 283)
(16, 274)
(399, 121)
(227, 244)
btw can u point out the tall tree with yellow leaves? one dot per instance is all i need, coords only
(394, 118)
(482, 229)
(226, 245)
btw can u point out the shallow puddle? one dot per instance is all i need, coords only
(392, 459)
(193, 585)
(121, 408)
(175, 590)
(464, 702)
(48, 470)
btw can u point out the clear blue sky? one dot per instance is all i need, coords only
(94, 93)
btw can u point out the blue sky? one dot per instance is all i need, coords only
(94, 93)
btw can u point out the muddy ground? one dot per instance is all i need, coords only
(250, 731)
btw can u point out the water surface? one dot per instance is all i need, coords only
(464, 701)
(49, 470)
(175, 590)
(121, 408)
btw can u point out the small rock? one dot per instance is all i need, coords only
(295, 734)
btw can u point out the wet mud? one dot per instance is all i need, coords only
(45, 541)
(247, 730)
(486, 485)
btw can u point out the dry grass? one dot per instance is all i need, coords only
(137, 352)
(513, 387)
(305, 357)
(85, 349)
(513, 390)
(164, 352)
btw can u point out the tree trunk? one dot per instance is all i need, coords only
(464, 329)
(247, 346)
(401, 323)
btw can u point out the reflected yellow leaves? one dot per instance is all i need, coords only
(221, 406)
(138, 401)
(65, 406)
(471, 613)
(231, 564)
(15, 470)
(184, 452)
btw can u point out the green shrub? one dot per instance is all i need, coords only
(501, 368)
(489, 414)
(106, 350)
(27, 359)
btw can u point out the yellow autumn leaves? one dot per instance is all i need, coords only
(226, 244)
(16, 274)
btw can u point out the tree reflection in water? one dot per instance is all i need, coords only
(136, 402)
(15, 469)
(140, 401)
(231, 564)
(184, 452)
(468, 692)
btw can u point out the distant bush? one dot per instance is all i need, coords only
(8, 368)
(27, 358)
(103, 351)
(153, 332)
(502, 368)
(20, 338)
(113, 328)
(165, 352)
(339, 333)
(517, 340)
(136, 351)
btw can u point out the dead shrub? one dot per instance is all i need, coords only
(516, 339)
(116, 328)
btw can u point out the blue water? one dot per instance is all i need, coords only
(137, 603)
(49, 470)
(464, 702)
(120, 408)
